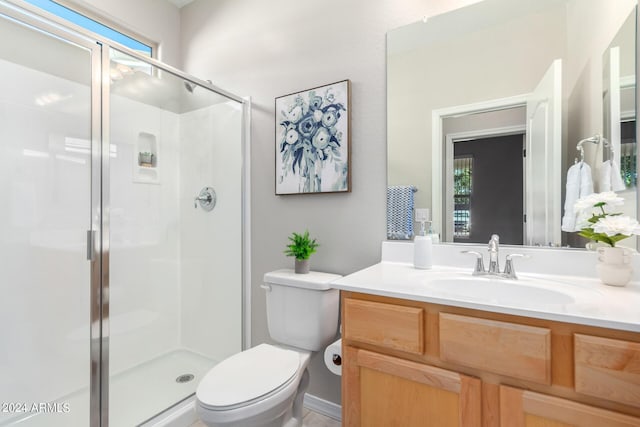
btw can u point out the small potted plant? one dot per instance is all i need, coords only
(301, 247)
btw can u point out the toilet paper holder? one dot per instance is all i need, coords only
(337, 360)
(333, 357)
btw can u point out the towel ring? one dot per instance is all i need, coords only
(595, 139)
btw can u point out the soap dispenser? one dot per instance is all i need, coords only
(422, 244)
(435, 237)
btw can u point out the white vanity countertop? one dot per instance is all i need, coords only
(571, 299)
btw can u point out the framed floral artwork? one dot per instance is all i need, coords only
(312, 140)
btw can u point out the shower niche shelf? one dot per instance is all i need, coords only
(146, 159)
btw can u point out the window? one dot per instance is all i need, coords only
(462, 180)
(628, 153)
(94, 26)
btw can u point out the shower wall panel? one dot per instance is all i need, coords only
(211, 244)
(145, 239)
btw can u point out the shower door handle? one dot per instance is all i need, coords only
(91, 237)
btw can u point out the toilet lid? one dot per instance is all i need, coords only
(247, 375)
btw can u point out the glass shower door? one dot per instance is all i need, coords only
(175, 306)
(46, 95)
(119, 286)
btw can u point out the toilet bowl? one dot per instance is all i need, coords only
(265, 385)
(255, 388)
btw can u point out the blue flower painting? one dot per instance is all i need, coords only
(312, 140)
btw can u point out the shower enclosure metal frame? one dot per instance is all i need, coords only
(98, 237)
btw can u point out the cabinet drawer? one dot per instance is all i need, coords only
(388, 325)
(607, 368)
(505, 348)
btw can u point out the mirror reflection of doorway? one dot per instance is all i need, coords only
(538, 114)
(488, 177)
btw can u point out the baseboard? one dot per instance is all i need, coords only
(324, 407)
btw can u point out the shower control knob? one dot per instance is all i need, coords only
(207, 199)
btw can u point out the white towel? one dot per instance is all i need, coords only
(604, 177)
(609, 177)
(572, 194)
(586, 181)
(617, 184)
(579, 184)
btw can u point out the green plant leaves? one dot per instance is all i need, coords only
(601, 237)
(301, 246)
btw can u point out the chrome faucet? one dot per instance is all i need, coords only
(494, 263)
(509, 270)
(479, 268)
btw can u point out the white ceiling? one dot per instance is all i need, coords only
(180, 3)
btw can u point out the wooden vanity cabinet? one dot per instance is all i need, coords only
(408, 363)
(522, 408)
(387, 391)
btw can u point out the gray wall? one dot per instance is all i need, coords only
(270, 48)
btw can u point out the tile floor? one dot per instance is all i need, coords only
(311, 419)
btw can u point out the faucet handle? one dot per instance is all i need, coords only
(479, 268)
(509, 270)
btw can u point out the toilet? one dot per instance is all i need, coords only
(265, 385)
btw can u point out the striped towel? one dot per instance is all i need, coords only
(400, 212)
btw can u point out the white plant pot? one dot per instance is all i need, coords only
(614, 265)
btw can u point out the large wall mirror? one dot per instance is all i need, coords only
(486, 107)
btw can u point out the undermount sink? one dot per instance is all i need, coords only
(496, 290)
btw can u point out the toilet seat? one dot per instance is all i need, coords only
(247, 377)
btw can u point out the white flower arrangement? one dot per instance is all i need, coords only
(600, 226)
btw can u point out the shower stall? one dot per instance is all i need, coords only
(122, 228)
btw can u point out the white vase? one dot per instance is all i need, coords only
(614, 266)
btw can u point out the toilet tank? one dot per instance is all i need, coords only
(302, 310)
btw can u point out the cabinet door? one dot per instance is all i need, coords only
(520, 408)
(607, 368)
(386, 391)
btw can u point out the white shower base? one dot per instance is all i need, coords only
(136, 395)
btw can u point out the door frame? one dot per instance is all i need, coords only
(437, 146)
(452, 138)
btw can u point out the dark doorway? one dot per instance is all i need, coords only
(494, 201)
